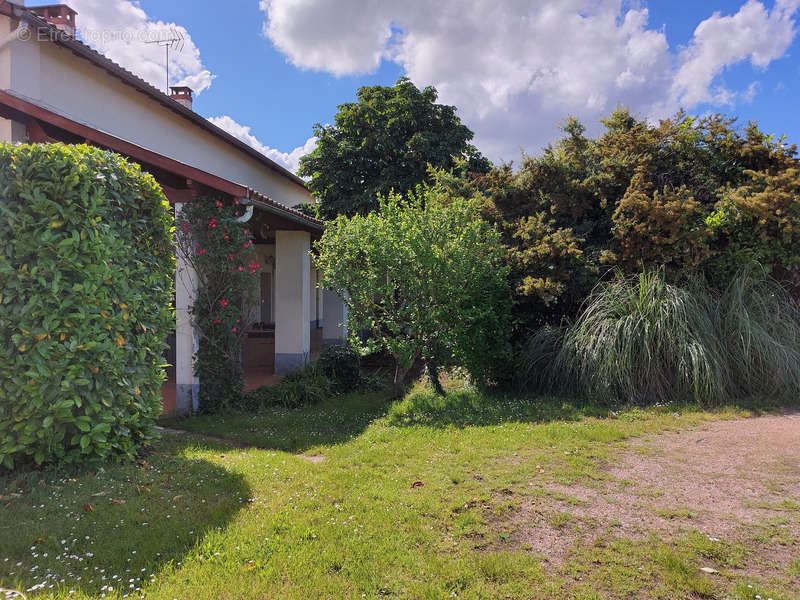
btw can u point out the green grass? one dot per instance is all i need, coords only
(295, 430)
(194, 519)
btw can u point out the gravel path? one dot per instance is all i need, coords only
(726, 479)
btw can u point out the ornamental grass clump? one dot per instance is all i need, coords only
(759, 324)
(86, 287)
(644, 340)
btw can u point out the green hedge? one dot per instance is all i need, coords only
(86, 274)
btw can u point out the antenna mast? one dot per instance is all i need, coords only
(174, 40)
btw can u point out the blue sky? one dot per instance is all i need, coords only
(774, 105)
(269, 69)
(254, 83)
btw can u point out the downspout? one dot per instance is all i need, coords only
(251, 203)
(248, 213)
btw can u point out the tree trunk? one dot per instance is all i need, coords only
(399, 376)
(433, 374)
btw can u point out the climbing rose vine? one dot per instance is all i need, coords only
(222, 254)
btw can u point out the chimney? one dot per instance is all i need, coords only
(60, 15)
(181, 94)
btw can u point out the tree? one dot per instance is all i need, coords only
(689, 195)
(384, 143)
(548, 272)
(424, 275)
(759, 221)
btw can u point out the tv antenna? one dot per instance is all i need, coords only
(174, 40)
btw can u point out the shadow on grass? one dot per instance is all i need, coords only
(343, 418)
(115, 525)
(334, 421)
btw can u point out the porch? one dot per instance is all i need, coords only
(194, 160)
(289, 320)
(258, 356)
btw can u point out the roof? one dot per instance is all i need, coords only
(56, 5)
(294, 214)
(84, 51)
(12, 105)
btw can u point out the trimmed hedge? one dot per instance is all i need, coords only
(86, 276)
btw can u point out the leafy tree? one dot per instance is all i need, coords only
(659, 228)
(424, 276)
(687, 194)
(546, 262)
(759, 221)
(384, 142)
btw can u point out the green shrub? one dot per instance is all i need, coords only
(758, 221)
(254, 400)
(303, 388)
(86, 271)
(341, 365)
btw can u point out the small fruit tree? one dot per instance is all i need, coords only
(86, 272)
(424, 276)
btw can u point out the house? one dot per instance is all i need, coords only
(54, 88)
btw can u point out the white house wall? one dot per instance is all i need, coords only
(21, 73)
(56, 79)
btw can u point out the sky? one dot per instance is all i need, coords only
(268, 70)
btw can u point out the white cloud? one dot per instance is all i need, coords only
(751, 92)
(120, 29)
(290, 160)
(355, 48)
(752, 33)
(516, 68)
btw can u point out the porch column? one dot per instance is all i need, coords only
(292, 300)
(334, 319)
(186, 339)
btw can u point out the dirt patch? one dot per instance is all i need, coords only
(312, 458)
(730, 480)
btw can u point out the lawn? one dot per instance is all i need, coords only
(462, 497)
